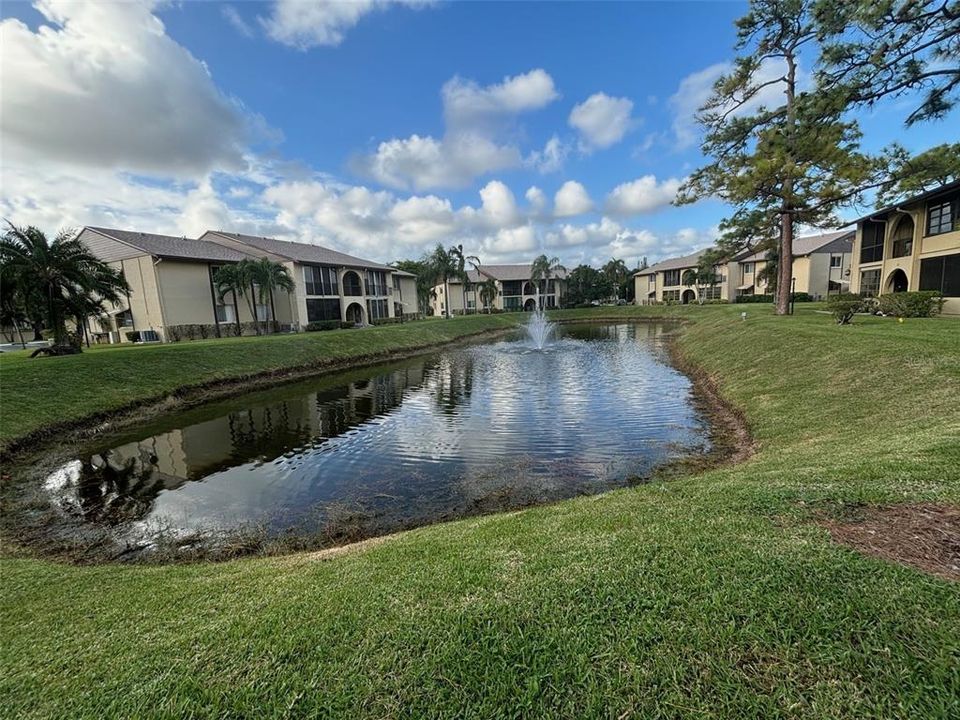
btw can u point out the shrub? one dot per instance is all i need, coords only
(844, 306)
(322, 325)
(385, 321)
(754, 298)
(925, 303)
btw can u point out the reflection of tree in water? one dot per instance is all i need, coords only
(453, 383)
(114, 490)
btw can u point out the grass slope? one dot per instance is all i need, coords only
(711, 596)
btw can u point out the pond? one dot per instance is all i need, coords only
(473, 429)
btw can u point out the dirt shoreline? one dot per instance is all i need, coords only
(35, 456)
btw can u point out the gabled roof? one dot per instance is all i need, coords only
(472, 275)
(676, 263)
(804, 245)
(930, 194)
(169, 246)
(298, 251)
(514, 272)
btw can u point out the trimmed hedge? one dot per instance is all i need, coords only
(797, 297)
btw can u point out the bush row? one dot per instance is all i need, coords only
(797, 297)
(921, 304)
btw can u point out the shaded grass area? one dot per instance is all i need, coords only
(41, 392)
(710, 596)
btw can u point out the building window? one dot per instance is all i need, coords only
(871, 238)
(320, 280)
(671, 277)
(511, 303)
(551, 301)
(652, 282)
(870, 283)
(512, 287)
(263, 312)
(351, 284)
(377, 309)
(396, 282)
(320, 310)
(671, 295)
(124, 318)
(941, 274)
(903, 238)
(942, 216)
(226, 313)
(376, 282)
(836, 261)
(711, 293)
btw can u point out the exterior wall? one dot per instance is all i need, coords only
(186, 293)
(405, 293)
(144, 301)
(923, 247)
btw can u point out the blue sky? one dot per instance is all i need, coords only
(377, 128)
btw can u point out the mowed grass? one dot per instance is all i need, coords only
(712, 596)
(39, 392)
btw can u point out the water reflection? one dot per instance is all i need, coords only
(469, 430)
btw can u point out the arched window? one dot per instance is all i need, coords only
(351, 284)
(903, 237)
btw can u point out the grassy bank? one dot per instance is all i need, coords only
(42, 392)
(719, 595)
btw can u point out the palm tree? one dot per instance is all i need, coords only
(616, 272)
(268, 276)
(488, 293)
(460, 262)
(13, 314)
(237, 279)
(541, 270)
(57, 278)
(442, 266)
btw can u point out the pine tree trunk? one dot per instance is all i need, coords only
(785, 271)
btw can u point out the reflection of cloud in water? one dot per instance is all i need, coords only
(480, 427)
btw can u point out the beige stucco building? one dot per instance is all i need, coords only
(821, 267)
(515, 290)
(172, 291)
(914, 245)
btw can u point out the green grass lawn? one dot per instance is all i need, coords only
(717, 595)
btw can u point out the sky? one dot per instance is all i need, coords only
(377, 128)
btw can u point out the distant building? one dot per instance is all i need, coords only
(516, 290)
(914, 245)
(821, 267)
(172, 286)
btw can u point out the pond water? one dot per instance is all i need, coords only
(475, 428)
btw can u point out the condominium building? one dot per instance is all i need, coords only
(821, 267)
(914, 245)
(173, 292)
(516, 290)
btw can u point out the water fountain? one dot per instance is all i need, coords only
(538, 327)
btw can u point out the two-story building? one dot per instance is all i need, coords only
(821, 267)
(516, 290)
(914, 245)
(173, 293)
(664, 282)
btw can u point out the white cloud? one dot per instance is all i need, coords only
(601, 120)
(465, 103)
(642, 195)
(475, 117)
(551, 158)
(304, 24)
(571, 199)
(232, 16)
(103, 85)
(537, 199)
(695, 89)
